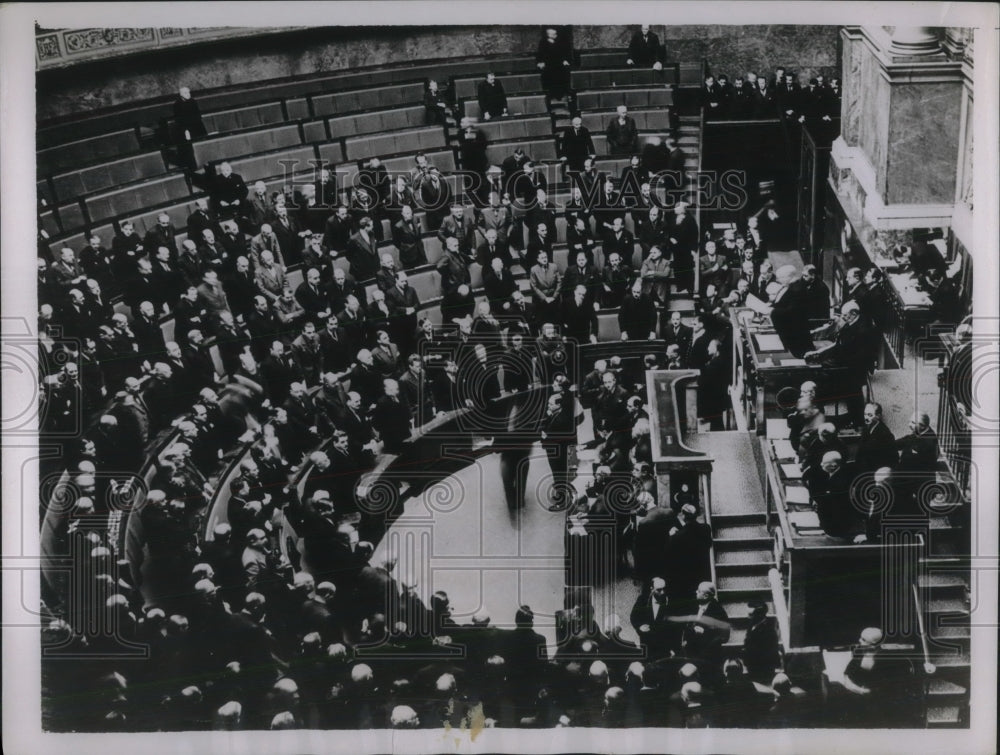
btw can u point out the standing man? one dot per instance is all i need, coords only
(576, 145)
(492, 98)
(645, 50)
(554, 59)
(558, 437)
(623, 134)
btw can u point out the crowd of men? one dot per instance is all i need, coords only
(328, 375)
(781, 95)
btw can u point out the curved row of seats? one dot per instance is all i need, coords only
(90, 209)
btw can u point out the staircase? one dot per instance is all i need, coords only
(742, 549)
(945, 593)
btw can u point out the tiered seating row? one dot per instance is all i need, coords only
(633, 98)
(530, 104)
(150, 113)
(68, 154)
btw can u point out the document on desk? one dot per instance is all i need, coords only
(796, 495)
(757, 305)
(783, 448)
(793, 362)
(769, 342)
(791, 471)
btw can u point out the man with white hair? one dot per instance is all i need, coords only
(228, 192)
(644, 50)
(829, 487)
(854, 350)
(623, 134)
(391, 417)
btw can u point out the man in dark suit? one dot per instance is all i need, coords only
(616, 279)
(645, 50)
(279, 371)
(453, 267)
(391, 417)
(829, 487)
(877, 445)
(674, 331)
(558, 437)
(579, 319)
(637, 315)
(362, 251)
(708, 629)
(311, 297)
(817, 294)
(622, 134)
(651, 618)
(499, 284)
(287, 231)
(576, 145)
(918, 456)
(617, 240)
(790, 313)
(406, 236)
(582, 273)
(492, 98)
(854, 350)
(761, 649)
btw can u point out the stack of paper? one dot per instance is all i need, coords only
(805, 522)
(777, 428)
(769, 342)
(796, 495)
(791, 471)
(783, 449)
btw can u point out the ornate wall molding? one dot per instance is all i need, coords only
(59, 48)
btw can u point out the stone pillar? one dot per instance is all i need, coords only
(894, 165)
(914, 40)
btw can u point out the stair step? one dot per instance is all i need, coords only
(947, 605)
(735, 583)
(952, 661)
(936, 578)
(736, 637)
(950, 632)
(731, 544)
(743, 556)
(943, 715)
(724, 532)
(720, 521)
(942, 687)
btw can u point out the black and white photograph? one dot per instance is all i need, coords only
(526, 377)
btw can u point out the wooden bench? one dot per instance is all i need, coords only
(530, 104)
(645, 120)
(417, 140)
(583, 79)
(516, 84)
(279, 163)
(506, 129)
(382, 120)
(107, 175)
(86, 151)
(246, 143)
(130, 199)
(242, 118)
(540, 149)
(443, 160)
(637, 99)
(61, 130)
(364, 100)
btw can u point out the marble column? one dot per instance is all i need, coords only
(915, 40)
(895, 164)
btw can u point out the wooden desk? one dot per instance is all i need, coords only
(909, 307)
(834, 586)
(762, 367)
